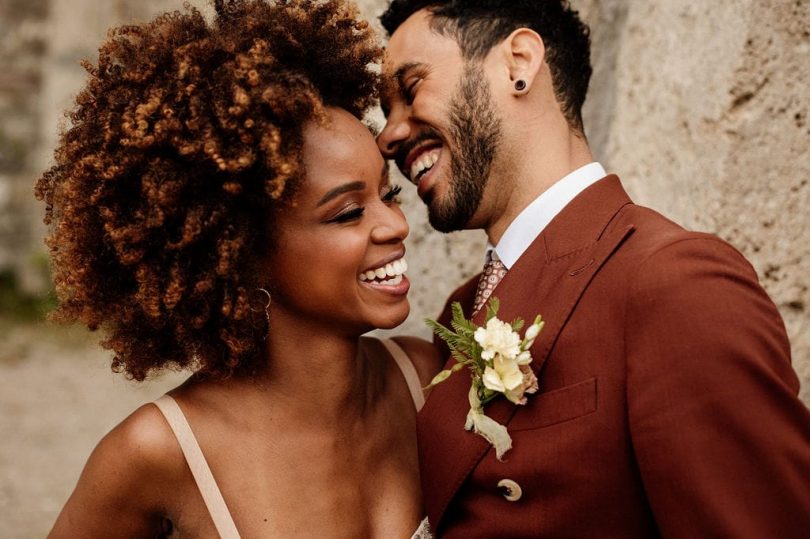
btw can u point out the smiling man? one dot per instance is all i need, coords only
(667, 402)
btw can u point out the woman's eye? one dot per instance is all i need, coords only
(348, 215)
(393, 194)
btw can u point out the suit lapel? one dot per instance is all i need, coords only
(548, 279)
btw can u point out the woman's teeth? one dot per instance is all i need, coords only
(390, 274)
(424, 163)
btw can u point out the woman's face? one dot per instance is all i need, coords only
(339, 257)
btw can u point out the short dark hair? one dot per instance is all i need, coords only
(478, 25)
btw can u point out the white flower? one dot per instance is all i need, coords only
(528, 384)
(498, 339)
(533, 332)
(499, 362)
(504, 375)
(524, 358)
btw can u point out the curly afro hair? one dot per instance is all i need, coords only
(185, 140)
(479, 25)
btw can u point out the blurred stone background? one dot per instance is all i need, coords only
(700, 107)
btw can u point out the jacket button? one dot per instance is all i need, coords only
(510, 490)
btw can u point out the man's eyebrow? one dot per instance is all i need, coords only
(340, 189)
(399, 74)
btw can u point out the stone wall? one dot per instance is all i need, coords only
(701, 107)
(22, 48)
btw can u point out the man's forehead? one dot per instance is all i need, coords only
(414, 42)
(418, 22)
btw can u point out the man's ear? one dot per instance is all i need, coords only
(524, 53)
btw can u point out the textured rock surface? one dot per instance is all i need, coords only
(22, 47)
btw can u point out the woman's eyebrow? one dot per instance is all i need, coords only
(340, 189)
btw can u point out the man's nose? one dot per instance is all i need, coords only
(396, 130)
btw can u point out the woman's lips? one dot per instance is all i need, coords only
(399, 287)
(388, 277)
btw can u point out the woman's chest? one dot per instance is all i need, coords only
(340, 488)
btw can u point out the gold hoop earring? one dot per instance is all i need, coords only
(266, 309)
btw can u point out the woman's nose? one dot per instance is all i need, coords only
(392, 226)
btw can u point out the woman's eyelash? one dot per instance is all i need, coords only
(347, 216)
(392, 194)
(356, 213)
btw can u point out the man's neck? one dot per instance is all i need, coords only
(528, 174)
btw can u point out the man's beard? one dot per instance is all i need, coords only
(476, 130)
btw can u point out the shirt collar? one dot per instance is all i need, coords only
(537, 215)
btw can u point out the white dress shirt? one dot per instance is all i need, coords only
(537, 215)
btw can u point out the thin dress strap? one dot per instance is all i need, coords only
(199, 467)
(408, 371)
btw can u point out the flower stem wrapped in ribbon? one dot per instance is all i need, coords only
(498, 360)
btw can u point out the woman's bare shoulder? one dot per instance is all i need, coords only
(146, 437)
(426, 358)
(126, 481)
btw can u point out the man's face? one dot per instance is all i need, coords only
(442, 131)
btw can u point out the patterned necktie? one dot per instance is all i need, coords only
(494, 270)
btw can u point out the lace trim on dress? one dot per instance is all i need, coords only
(423, 531)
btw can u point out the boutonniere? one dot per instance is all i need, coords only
(498, 361)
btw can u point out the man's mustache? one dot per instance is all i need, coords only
(407, 146)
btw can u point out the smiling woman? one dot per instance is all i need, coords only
(218, 206)
(346, 220)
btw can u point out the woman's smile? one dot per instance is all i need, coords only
(388, 277)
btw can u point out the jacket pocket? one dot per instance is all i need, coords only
(556, 406)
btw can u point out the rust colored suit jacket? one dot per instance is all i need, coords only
(667, 403)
